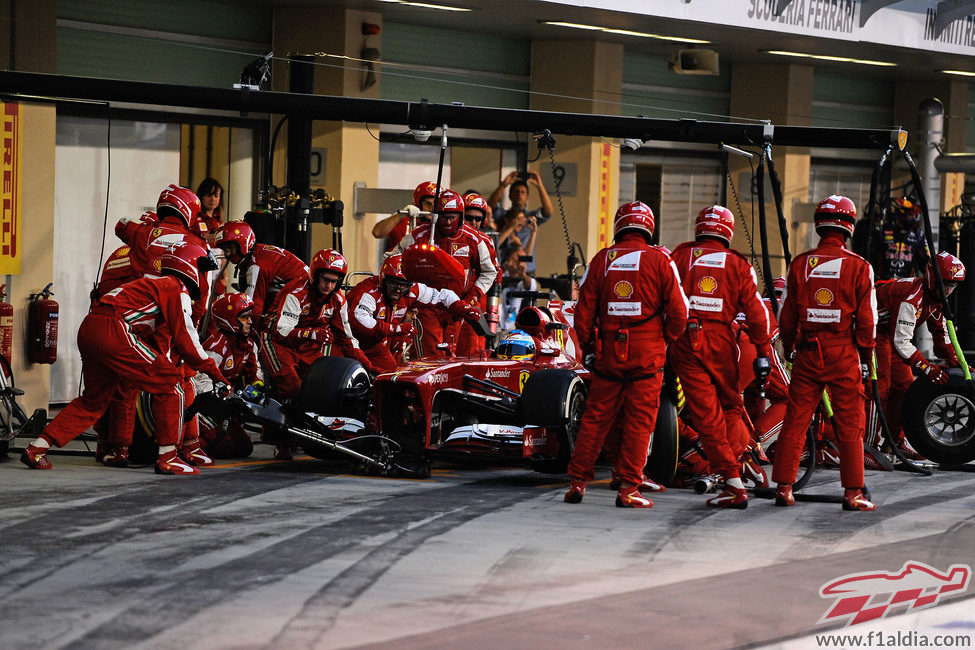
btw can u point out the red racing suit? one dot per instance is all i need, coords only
(767, 421)
(302, 327)
(902, 305)
(237, 358)
(148, 240)
(467, 338)
(829, 321)
(264, 272)
(116, 271)
(113, 355)
(719, 283)
(467, 246)
(382, 328)
(630, 304)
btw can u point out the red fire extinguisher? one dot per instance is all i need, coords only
(6, 324)
(42, 327)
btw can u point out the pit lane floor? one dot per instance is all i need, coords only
(260, 554)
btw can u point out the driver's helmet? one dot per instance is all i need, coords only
(517, 345)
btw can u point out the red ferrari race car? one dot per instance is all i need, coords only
(521, 402)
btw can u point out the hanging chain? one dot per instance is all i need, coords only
(744, 225)
(558, 195)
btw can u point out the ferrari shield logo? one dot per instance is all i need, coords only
(813, 261)
(612, 255)
(523, 379)
(697, 252)
(901, 140)
(156, 232)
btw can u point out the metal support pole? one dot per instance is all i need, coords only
(930, 137)
(301, 80)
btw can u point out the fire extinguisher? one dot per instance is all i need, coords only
(42, 327)
(6, 325)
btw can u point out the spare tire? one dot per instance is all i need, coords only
(554, 397)
(939, 421)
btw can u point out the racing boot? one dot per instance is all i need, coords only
(282, 453)
(630, 497)
(909, 453)
(192, 453)
(646, 485)
(856, 499)
(752, 471)
(577, 489)
(170, 463)
(115, 457)
(35, 457)
(732, 497)
(784, 496)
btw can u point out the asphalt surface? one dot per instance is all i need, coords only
(259, 553)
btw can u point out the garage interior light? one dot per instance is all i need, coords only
(960, 73)
(826, 57)
(426, 5)
(623, 32)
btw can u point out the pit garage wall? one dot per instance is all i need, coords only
(143, 159)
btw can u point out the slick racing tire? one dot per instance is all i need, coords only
(554, 397)
(326, 390)
(662, 461)
(939, 421)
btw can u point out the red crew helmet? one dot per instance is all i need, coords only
(425, 190)
(715, 221)
(179, 201)
(227, 310)
(837, 212)
(393, 268)
(187, 262)
(634, 216)
(450, 210)
(474, 201)
(237, 232)
(952, 270)
(328, 260)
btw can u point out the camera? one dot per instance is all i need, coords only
(526, 258)
(523, 176)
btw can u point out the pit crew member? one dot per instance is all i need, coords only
(395, 226)
(902, 306)
(630, 305)
(262, 269)
(111, 354)
(466, 245)
(719, 283)
(381, 312)
(828, 323)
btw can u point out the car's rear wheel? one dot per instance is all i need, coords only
(336, 387)
(662, 460)
(939, 421)
(554, 397)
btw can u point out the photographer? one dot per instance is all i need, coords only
(516, 278)
(518, 184)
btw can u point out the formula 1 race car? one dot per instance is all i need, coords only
(939, 421)
(522, 402)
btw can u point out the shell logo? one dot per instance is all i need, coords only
(123, 251)
(824, 296)
(157, 264)
(707, 284)
(623, 289)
